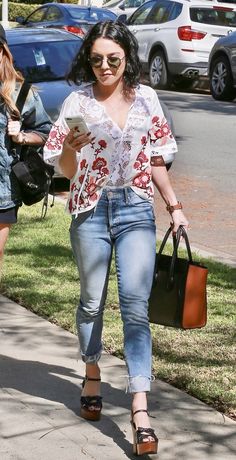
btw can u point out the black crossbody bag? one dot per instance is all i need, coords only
(34, 176)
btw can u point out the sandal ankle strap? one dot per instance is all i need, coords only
(139, 410)
(91, 378)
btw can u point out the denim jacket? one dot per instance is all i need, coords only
(34, 119)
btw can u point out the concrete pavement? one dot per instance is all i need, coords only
(40, 380)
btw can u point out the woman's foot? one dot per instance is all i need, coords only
(91, 400)
(144, 438)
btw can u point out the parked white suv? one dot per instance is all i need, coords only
(176, 36)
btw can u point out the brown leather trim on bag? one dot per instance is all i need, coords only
(157, 161)
(195, 302)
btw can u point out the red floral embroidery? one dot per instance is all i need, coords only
(70, 205)
(105, 171)
(143, 140)
(76, 198)
(55, 139)
(81, 179)
(91, 188)
(83, 164)
(102, 143)
(141, 159)
(99, 163)
(160, 130)
(142, 180)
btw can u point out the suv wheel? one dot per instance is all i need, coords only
(221, 81)
(158, 73)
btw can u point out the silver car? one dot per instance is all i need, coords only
(222, 68)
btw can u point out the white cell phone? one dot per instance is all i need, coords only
(77, 122)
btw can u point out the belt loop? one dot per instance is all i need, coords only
(126, 195)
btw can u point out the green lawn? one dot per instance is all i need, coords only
(40, 274)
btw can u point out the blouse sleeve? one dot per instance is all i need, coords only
(53, 147)
(34, 117)
(162, 143)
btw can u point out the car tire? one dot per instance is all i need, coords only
(158, 72)
(221, 80)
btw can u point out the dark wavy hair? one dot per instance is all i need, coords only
(81, 70)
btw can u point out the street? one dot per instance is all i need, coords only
(204, 172)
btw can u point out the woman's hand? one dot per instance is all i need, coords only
(178, 218)
(74, 141)
(13, 130)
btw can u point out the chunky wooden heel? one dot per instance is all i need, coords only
(140, 435)
(91, 406)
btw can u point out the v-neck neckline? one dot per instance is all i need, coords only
(109, 116)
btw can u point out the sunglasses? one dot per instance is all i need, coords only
(112, 61)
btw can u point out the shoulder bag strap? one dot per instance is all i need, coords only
(23, 93)
(20, 101)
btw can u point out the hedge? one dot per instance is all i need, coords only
(21, 8)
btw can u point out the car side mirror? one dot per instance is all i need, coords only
(20, 19)
(122, 7)
(122, 18)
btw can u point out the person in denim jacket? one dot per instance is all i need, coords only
(32, 127)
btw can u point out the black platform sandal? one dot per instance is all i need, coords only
(140, 446)
(90, 402)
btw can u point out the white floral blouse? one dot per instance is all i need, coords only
(115, 158)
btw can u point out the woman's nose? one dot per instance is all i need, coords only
(104, 63)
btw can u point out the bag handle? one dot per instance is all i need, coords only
(181, 232)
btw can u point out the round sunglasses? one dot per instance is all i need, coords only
(112, 61)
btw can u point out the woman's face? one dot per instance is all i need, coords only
(107, 69)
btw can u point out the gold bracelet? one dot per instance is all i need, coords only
(171, 208)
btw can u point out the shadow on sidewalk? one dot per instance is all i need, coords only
(52, 384)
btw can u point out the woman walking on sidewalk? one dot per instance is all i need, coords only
(111, 202)
(36, 125)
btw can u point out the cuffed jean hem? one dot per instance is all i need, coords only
(138, 384)
(91, 359)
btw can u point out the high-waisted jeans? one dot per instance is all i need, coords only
(125, 221)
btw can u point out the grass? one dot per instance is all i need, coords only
(40, 274)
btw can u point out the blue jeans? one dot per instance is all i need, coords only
(125, 221)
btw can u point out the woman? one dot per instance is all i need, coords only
(111, 202)
(33, 128)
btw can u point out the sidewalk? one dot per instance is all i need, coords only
(40, 382)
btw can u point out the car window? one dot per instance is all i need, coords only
(159, 13)
(175, 11)
(133, 3)
(37, 16)
(213, 16)
(53, 14)
(45, 61)
(112, 3)
(105, 15)
(79, 13)
(139, 16)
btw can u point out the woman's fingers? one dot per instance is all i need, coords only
(179, 218)
(13, 127)
(75, 141)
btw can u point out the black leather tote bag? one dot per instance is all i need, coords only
(178, 297)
